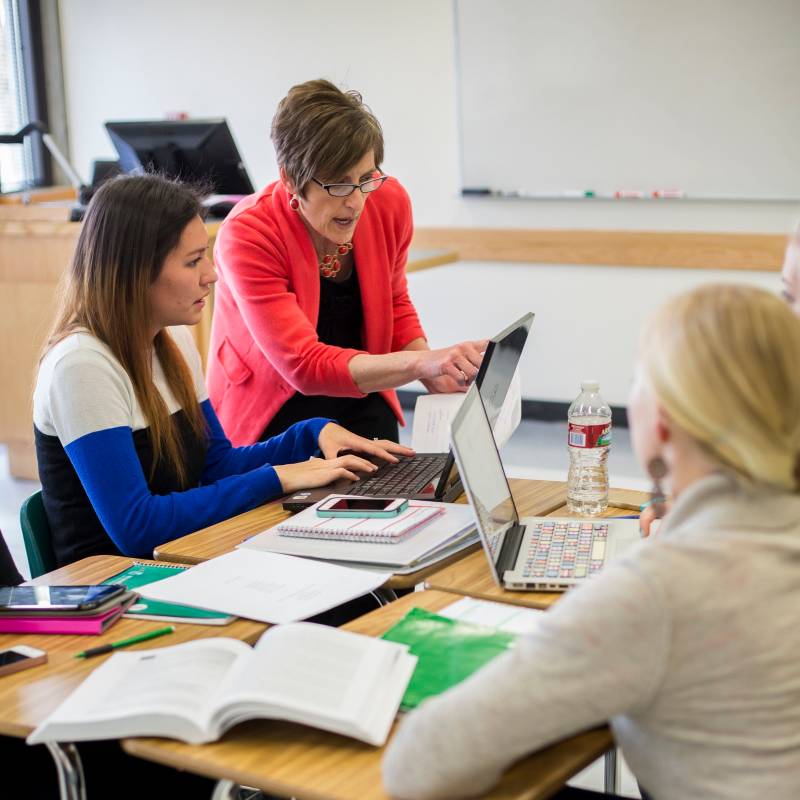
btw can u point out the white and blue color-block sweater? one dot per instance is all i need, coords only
(95, 456)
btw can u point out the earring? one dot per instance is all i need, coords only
(294, 203)
(657, 469)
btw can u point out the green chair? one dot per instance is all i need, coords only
(36, 535)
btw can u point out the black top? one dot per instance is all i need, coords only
(9, 574)
(76, 529)
(341, 318)
(341, 314)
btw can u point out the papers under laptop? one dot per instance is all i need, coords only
(533, 553)
(431, 473)
(446, 534)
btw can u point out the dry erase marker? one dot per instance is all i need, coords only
(627, 194)
(579, 193)
(669, 193)
(108, 648)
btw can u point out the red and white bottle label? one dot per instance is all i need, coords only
(589, 435)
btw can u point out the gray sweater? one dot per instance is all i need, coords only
(689, 644)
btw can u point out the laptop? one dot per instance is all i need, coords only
(534, 553)
(433, 476)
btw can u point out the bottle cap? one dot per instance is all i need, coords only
(590, 386)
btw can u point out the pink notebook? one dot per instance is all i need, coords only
(73, 625)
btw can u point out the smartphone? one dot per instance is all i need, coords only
(345, 506)
(20, 657)
(56, 598)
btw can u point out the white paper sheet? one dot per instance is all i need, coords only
(434, 413)
(268, 587)
(513, 619)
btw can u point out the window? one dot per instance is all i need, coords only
(21, 165)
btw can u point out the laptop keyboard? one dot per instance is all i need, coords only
(565, 549)
(408, 477)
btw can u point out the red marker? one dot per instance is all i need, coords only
(625, 194)
(669, 193)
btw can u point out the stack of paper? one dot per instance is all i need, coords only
(447, 533)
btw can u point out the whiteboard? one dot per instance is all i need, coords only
(558, 97)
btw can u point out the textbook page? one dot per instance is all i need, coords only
(324, 677)
(167, 691)
(268, 587)
(434, 413)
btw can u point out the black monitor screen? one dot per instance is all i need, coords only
(191, 150)
(499, 365)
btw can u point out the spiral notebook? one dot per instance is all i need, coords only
(387, 530)
(139, 574)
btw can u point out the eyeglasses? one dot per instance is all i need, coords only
(346, 189)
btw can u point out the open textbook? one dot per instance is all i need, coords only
(312, 674)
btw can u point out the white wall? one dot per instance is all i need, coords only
(237, 59)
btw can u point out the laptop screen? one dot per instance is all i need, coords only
(493, 379)
(482, 475)
(499, 365)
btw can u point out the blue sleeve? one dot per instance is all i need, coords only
(297, 443)
(137, 520)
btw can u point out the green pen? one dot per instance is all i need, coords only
(107, 648)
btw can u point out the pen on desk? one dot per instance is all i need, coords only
(107, 648)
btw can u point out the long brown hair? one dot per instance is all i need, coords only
(130, 227)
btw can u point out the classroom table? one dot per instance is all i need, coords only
(27, 697)
(533, 497)
(293, 760)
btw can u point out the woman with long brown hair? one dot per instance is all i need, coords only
(130, 451)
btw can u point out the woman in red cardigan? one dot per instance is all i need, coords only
(312, 314)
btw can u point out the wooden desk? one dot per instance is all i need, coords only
(27, 697)
(536, 497)
(471, 576)
(295, 761)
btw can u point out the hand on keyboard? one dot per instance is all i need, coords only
(334, 439)
(322, 471)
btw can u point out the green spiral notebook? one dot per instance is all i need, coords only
(140, 575)
(448, 651)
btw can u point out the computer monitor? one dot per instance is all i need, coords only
(191, 150)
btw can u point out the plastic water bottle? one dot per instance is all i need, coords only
(588, 440)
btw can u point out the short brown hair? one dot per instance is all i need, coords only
(319, 131)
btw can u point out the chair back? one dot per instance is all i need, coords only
(36, 535)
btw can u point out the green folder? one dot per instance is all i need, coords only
(448, 650)
(140, 575)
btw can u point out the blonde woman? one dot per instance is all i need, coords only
(790, 291)
(790, 274)
(688, 644)
(130, 451)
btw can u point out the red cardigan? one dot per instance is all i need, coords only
(264, 344)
